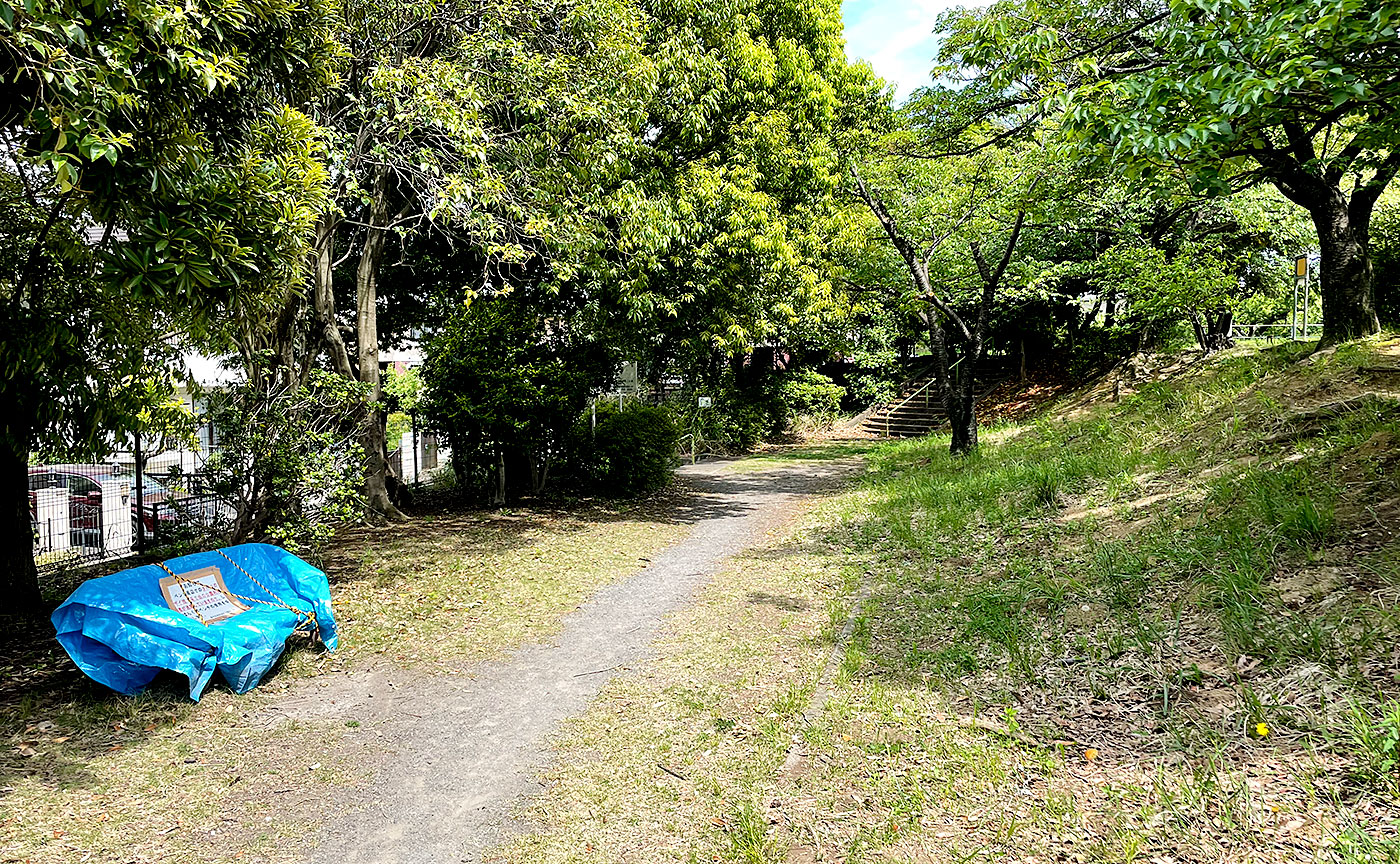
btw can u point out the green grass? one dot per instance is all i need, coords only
(1156, 557)
(1072, 640)
(84, 771)
(1218, 540)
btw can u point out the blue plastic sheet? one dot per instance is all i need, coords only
(122, 632)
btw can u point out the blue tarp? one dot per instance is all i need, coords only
(121, 631)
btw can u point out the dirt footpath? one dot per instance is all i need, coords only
(461, 752)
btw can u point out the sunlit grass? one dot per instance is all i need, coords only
(1143, 631)
(89, 773)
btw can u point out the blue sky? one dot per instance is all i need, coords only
(896, 36)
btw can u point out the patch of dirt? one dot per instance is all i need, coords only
(1016, 401)
(1308, 586)
(1079, 615)
(1078, 513)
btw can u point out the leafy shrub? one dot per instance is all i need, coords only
(1097, 349)
(505, 386)
(1385, 252)
(866, 388)
(634, 449)
(735, 421)
(739, 419)
(290, 462)
(403, 391)
(806, 393)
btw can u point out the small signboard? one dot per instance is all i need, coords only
(1300, 266)
(200, 594)
(630, 378)
(706, 401)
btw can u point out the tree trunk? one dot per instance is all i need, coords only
(500, 496)
(539, 471)
(1343, 229)
(962, 416)
(19, 579)
(1219, 329)
(1348, 291)
(1199, 330)
(323, 297)
(1213, 333)
(459, 462)
(367, 335)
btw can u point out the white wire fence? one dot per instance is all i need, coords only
(88, 512)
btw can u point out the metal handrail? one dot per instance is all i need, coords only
(710, 448)
(693, 448)
(1250, 331)
(907, 399)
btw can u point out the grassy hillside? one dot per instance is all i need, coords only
(1156, 629)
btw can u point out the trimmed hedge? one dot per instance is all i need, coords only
(635, 449)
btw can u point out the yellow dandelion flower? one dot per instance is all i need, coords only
(1262, 730)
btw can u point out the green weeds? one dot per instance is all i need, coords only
(1170, 559)
(1375, 738)
(750, 842)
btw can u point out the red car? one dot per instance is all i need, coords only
(84, 484)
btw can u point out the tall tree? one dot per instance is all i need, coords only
(1300, 94)
(955, 221)
(488, 121)
(720, 220)
(153, 176)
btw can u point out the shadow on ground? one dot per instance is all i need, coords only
(53, 719)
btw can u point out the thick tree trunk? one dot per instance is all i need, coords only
(1343, 227)
(1213, 330)
(1348, 281)
(367, 335)
(19, 579)
(962, 416)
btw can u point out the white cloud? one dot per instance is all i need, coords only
(896, 37)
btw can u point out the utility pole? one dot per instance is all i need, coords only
(1300, 286)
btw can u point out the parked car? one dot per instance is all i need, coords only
(84, 486)
(163, 507)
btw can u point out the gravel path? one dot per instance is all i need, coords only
(468, 750)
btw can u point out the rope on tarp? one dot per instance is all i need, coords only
(304, 618)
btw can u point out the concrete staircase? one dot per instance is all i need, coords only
(918, 411)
